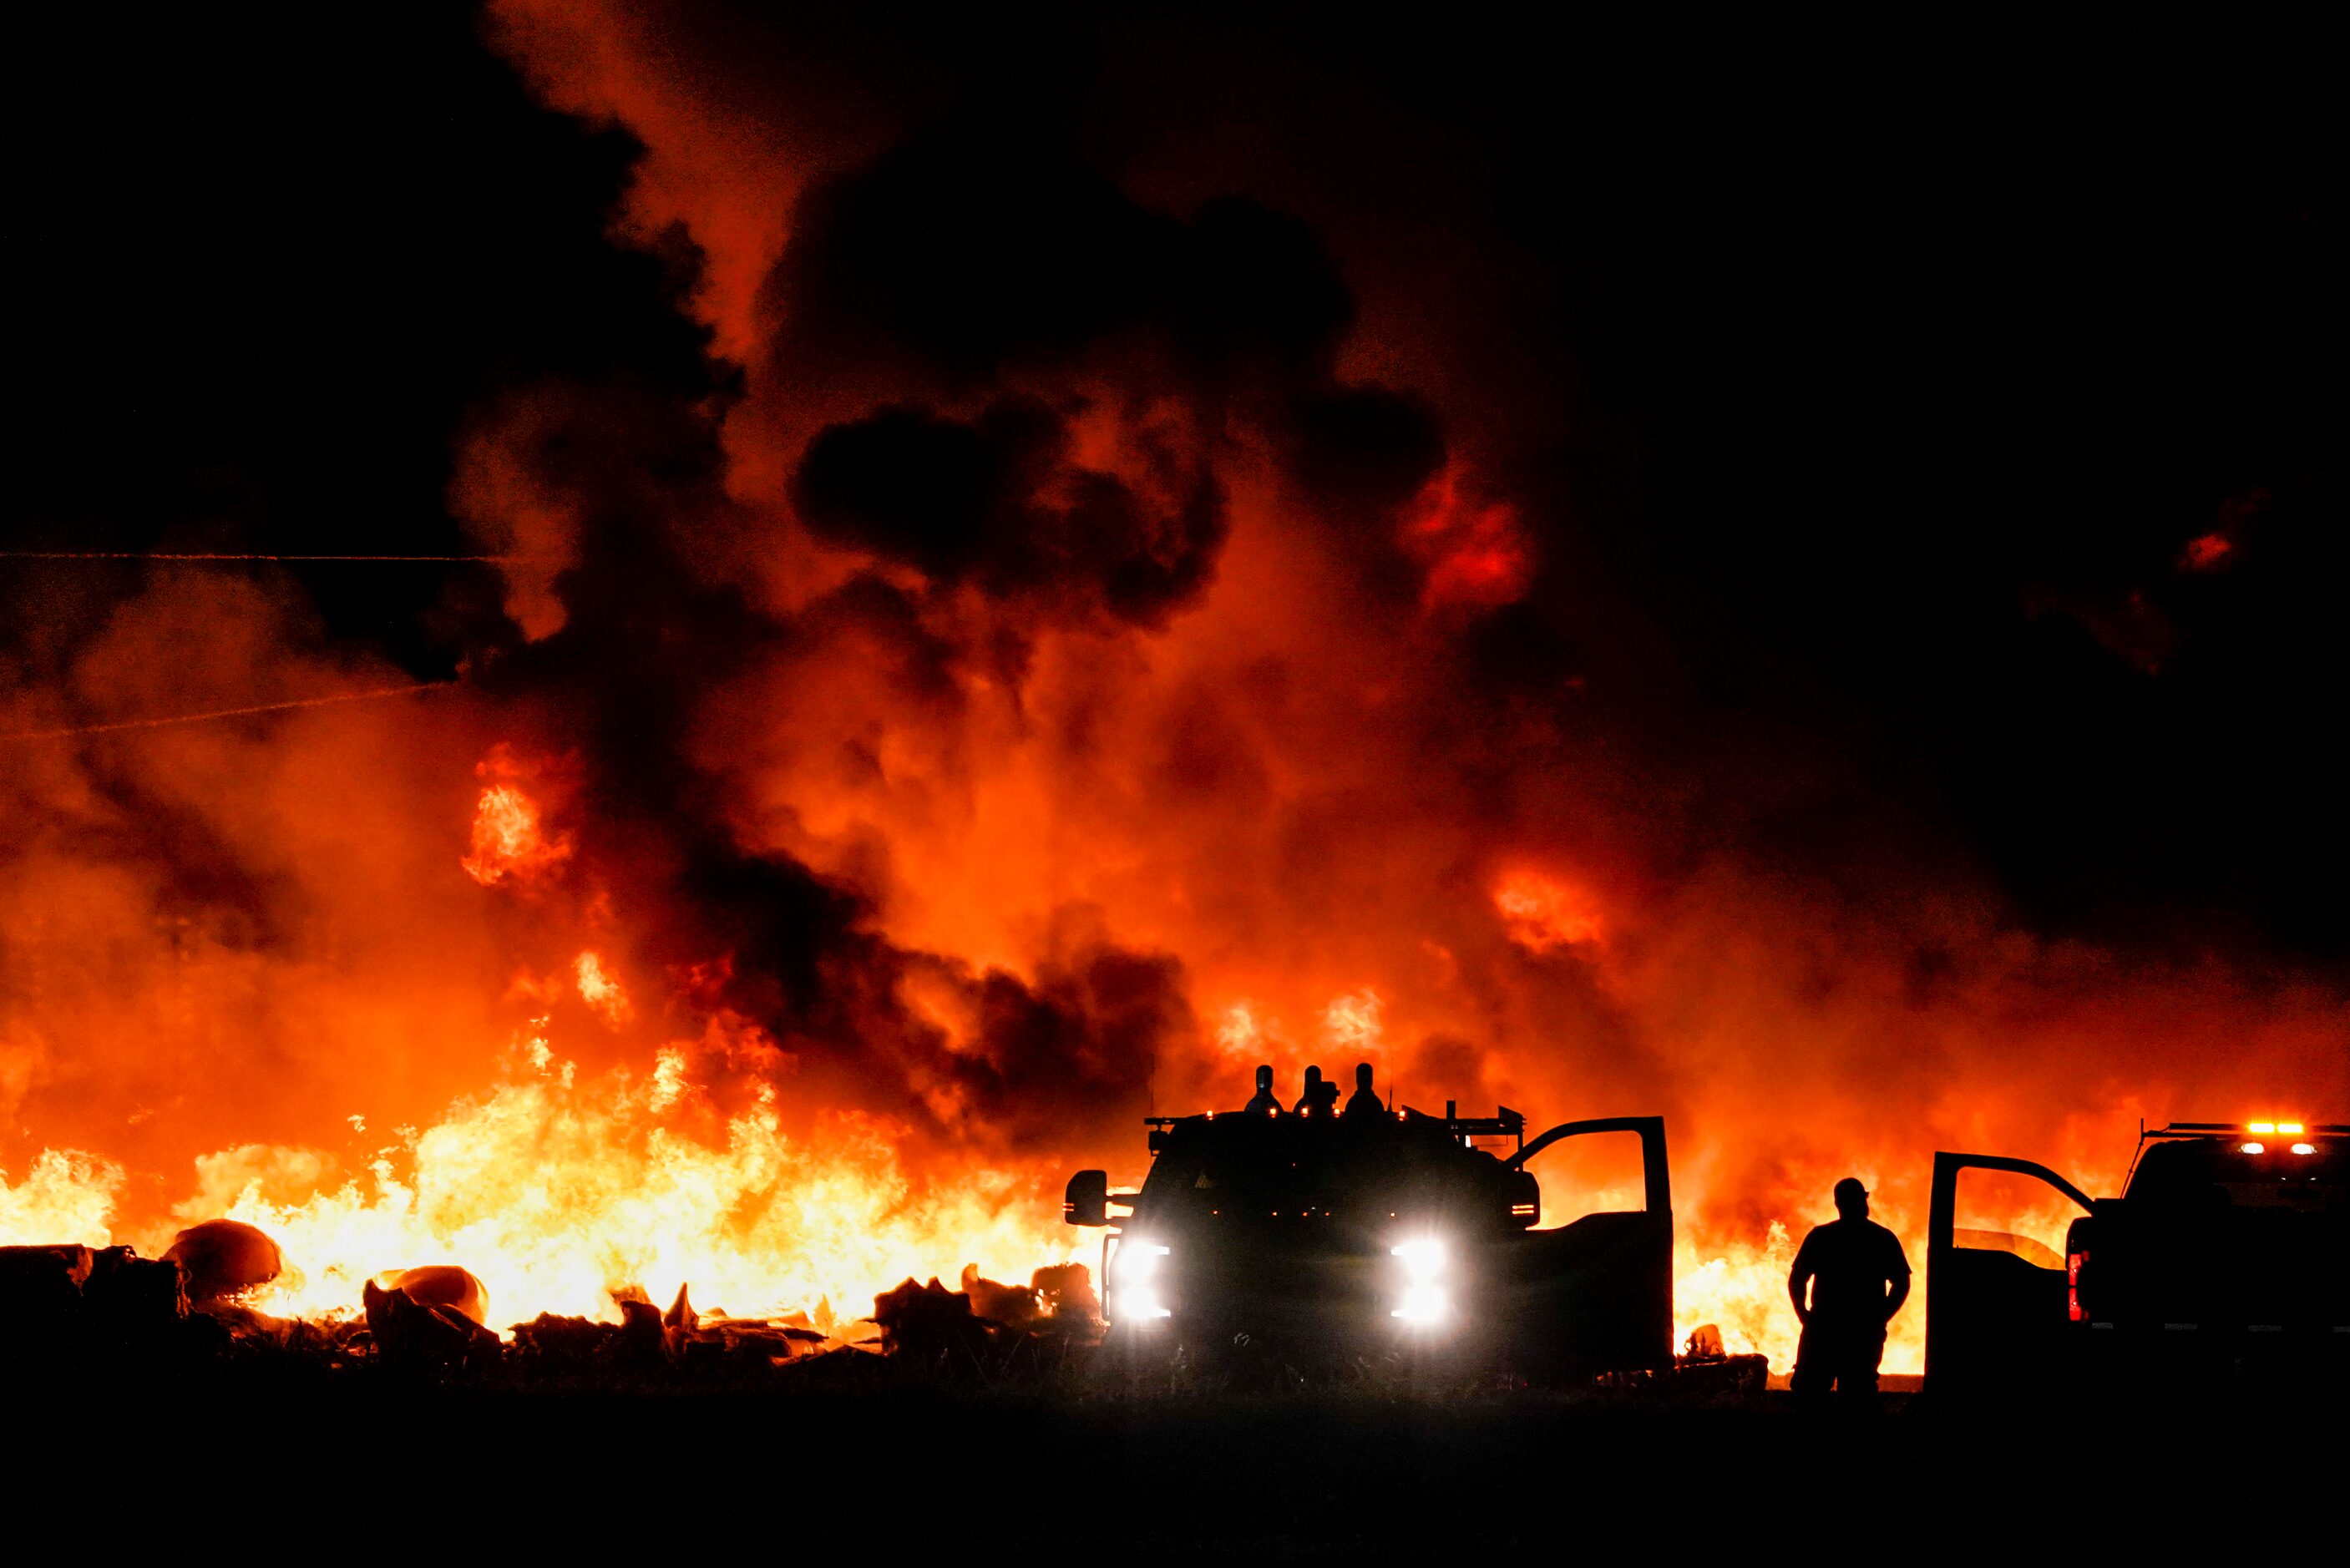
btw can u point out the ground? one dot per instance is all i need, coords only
(875, 1471)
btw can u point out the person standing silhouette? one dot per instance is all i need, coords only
(1364, 1103)
(1263, 1103)
(1320, 1098)
(1850, 1277)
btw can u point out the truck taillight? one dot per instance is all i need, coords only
(2073, 1262)
(1525, 1199)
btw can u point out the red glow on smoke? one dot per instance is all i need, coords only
(1474, 549)
(2208, 552)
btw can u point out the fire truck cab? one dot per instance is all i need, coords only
(2228, 1250)
(1329, 1235)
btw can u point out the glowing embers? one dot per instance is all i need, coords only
(1425, 1302)
(1135, 1282)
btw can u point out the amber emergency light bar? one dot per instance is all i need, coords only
(2208, 1129)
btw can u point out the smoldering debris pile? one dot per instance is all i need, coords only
(73, 1306)
(987, 1325)
(649, 1341)
(72, 1309)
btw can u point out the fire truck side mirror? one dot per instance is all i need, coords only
(1087, 1202)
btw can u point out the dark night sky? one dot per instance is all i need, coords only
(1905, 384)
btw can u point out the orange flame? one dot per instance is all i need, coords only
(508, 840)
(66, 1195)
(600, 992)
(556, 1192)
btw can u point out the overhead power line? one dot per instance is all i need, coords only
(158, 723)
(228, 555)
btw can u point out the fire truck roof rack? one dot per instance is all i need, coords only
(1507, 1124)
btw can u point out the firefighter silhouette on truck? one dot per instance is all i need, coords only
(1321, 1096)
(1849, 1280)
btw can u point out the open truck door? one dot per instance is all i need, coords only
(1597, 1296)
(1995, 1303)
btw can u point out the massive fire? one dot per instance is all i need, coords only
(560, 1186)
(561, 1189)
(997, 643)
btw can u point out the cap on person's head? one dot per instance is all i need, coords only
(1363, 1075)
(1313, 1076)
(1265, 1077)
(1850, 1190)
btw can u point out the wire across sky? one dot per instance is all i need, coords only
(156, 723)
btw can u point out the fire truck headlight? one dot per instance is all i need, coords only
(1425, 1301)
(1136, 1304)
(2253, 1147)
(2304, 1148)
(1135, 1295)
(1424, 1305)
(1423, 1260)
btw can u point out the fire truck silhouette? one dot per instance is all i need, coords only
(1330, 1234)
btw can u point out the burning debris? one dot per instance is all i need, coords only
(442, 1286)
(1068, 1294)
(649, 1341)
(411, 1333)
(930, 1323)
(989, 1328)
(68, 1307)
(221, 1260)
(1013, 1307)
(64, 1307)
